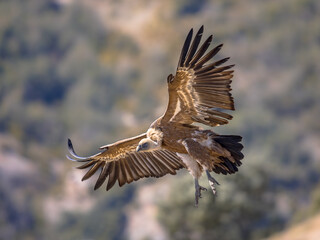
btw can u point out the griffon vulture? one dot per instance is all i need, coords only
(199, 92)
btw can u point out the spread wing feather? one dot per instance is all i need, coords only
(200, 91)
(120, 162)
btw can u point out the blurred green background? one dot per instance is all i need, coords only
(95, 71)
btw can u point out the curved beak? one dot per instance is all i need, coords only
(138, 148)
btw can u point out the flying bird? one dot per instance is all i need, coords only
(199, 93)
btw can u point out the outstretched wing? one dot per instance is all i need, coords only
(119, 161)
(199, 90)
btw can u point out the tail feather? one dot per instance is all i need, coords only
(233, 145)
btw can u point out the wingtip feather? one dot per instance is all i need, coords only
(185, 48)
(73, 153)
(193, 48)
(69, 158)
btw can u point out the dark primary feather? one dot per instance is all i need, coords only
(207, 57)
(102, 176)
(185, 48)
(201, 51)
(211, 66)
(194, 46)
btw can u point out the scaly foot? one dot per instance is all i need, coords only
(198, 191)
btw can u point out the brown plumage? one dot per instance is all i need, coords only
(198, 93)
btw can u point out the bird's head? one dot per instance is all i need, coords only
(147, 144)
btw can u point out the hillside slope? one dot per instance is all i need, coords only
(307, 230)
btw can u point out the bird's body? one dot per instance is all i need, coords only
(197, 94)
(199, 149)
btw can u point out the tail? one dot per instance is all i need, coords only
(233, 145)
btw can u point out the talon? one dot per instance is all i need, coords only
(198, 192)
(203, 188)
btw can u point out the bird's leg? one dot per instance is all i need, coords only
(212, 182)
(198, 191)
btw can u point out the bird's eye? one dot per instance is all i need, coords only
(145, 145)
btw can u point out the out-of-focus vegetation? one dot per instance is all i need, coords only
(53, 85)
(95, 71)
